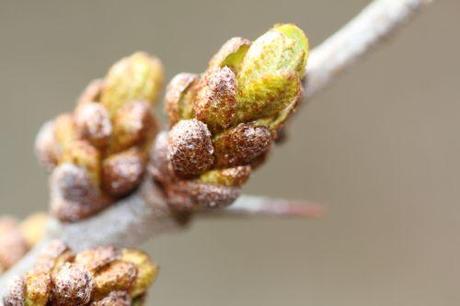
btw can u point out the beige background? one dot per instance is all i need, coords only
(381, 147)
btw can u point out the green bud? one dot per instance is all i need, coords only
(270, 75)
(137, 77)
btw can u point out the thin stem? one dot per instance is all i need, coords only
(370, 27)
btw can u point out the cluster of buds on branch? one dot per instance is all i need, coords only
(98, 277)
(222, 124)
(224, 121)
(99, 152)
(16, 239)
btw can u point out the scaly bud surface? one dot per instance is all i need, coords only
(99, 276)
(225, 120)
(108, 137)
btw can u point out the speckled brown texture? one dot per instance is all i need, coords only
(241, 145)
(122, 172)
(15, 296)
(113, 118)
(190, 148)
(117, 298)
(92, 119)
(186, 196)
(243, 98)
(73, 285)
(215, 102)
(99, 276)
(73, 195)
(97, 258)
(117, 275)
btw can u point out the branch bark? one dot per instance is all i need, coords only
(145, 213)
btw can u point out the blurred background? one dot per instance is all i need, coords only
(380, 148)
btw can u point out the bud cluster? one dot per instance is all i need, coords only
(100, 276)
(224, 121)
(16, 239)
(107, 137)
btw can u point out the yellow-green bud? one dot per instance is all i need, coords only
(137, 77)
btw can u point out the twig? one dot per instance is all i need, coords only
(145, 214)
(376, 22)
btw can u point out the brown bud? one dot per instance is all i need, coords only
(73, 285)
(178, 97)
(33, 228)
(46, 147)
(236, 176)
(190, 148)
(97, 258)
(100, 276)
(73, 194)
(215, 103)
(133, 124)
(241, 145)
(122, 172)
(115, 298)
(118, 275)
(188, 196)
(15, 294)
(94, 123)
(82, 154)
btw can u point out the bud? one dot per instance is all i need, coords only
(179, 97)
(122, 172)
(115, 298)
(242, 100)
(134, 124)
(120, 277)
(16, 293)
(271, 71)
(94, 123)
(215, 102)
(241, 145)
(187, 196)
(117, 275)
(190, 148)
(73, 285)
(137, 77)
(74, 195)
